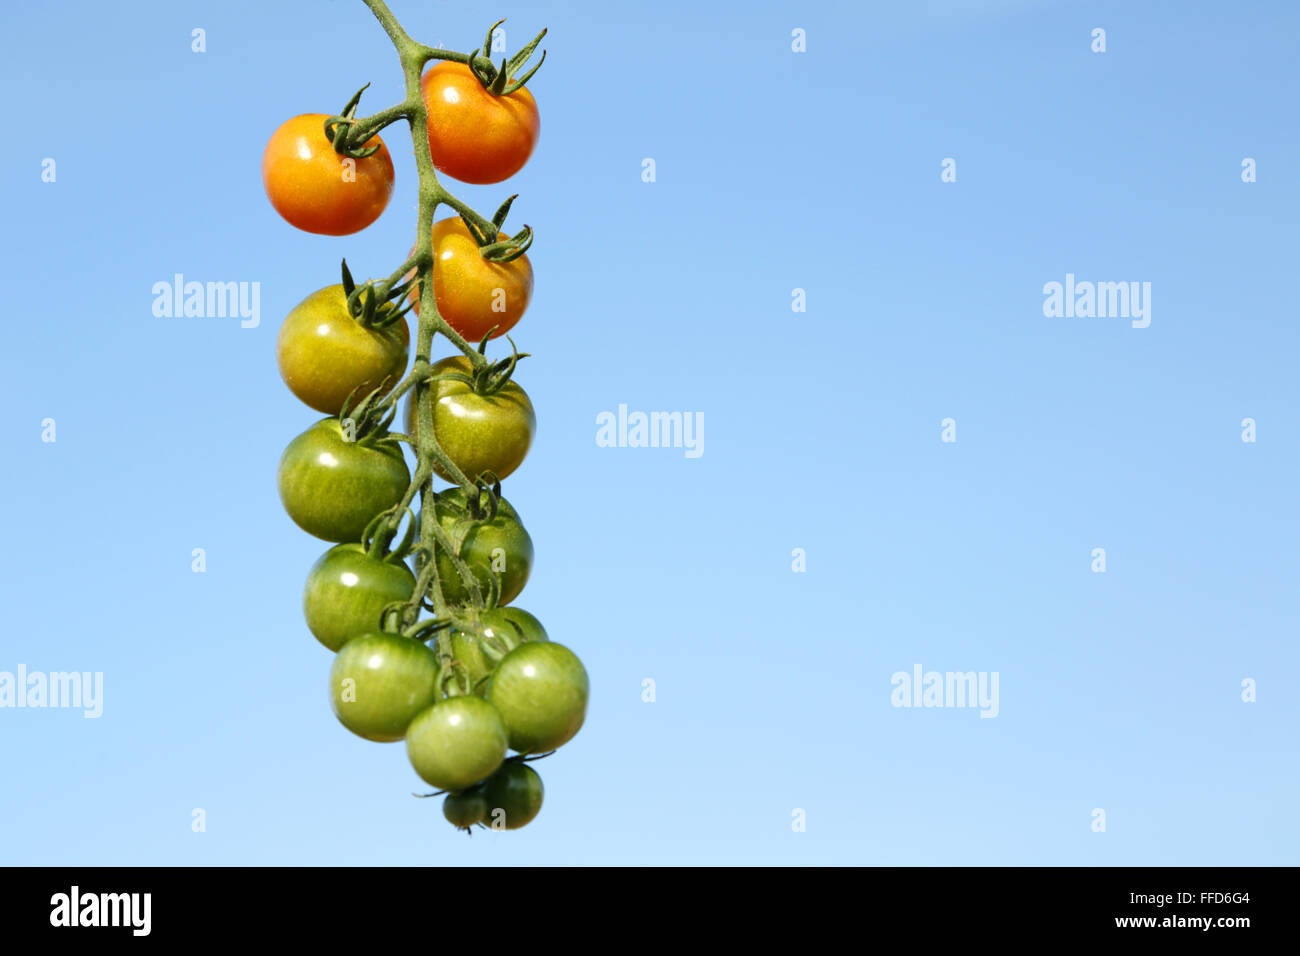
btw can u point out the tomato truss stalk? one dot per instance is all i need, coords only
(413, 58)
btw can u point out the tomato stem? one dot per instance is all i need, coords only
(413, 57)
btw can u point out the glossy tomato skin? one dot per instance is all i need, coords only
(466, 649)
(479, 433)
(347, 591)
(540, 690)
(499, 546)
(507, 627)
(473, 294)
(332, 488)
(325, 355)
(380, 682)
(513, 796)
(474, 136)
(465, 809)
(511, 625)
(530, 629)
(456, 743)
(319, 190)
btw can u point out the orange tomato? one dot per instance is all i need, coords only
(472, 293)
(319, 190)
(475, 136)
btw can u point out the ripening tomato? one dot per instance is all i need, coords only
(347, 591)
(319, 190)
(540, 690)
(479, 433)
(456, 743)
(379, 682)
(325, 354)
(472, 293)
(332, 488)
(513, 795)
(476, 136)
(500, 546)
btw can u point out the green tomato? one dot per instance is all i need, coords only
(465, 647)
(347, 591)
(465, 809)
(529, 628)
(513, 796)
(502, 629)
(379, 682)
(540, 690)
(332, 488)
(501, 545)
(456, 743)
(479, 433)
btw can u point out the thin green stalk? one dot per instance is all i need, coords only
(413, 57)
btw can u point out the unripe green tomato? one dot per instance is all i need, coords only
(457, 742)
(465, 648)
(479, 433)
(347, 591)
(540, 690)
(465, 809)
(513, 795)
(530, 629)
(332, 488)
(379, 682)
(499, 546)
(502, 629)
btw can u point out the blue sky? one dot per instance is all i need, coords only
(775, 171)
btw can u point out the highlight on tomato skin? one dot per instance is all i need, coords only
(319, 191)
(476, 136)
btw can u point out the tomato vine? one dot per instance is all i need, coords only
(492, 681)
(414, 57)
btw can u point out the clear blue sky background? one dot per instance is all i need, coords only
(776, 171)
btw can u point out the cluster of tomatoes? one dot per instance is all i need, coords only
(491, 682)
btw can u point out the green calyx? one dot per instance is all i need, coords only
(378, 306)
(496, 80)
(488, 378)
(377, 539)
(486, 234)
(366, 423)
(339, 128)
